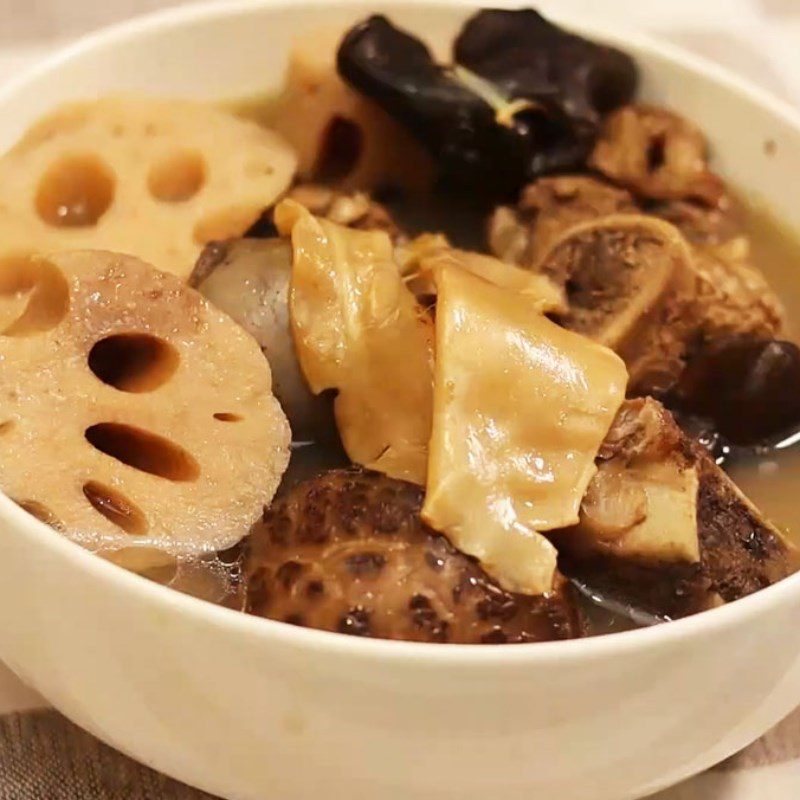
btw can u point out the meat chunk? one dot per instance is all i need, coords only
(664, 529)
(634, 283)
(348, 552)
(733, 297)
(351, 209)
(522, 234)
(658, 155)
(700, 224)
(630, 286)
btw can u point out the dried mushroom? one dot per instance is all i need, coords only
(521, 407)
(630, 285)
(664, 529)
(547, 208)
(348, 552)
(107, 436)
(523, 98)
(658, 155)
(358, 329)
(249, 279)
(750, 388)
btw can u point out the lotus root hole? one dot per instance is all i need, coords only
(75, 192)
(143, 450)
(116, 508)
(133, 362)
(6, 426)
(340, 150)
(656, 153)
(227, 416)
(178, 177)
(226, 223)
(34, 295)
(42, 513)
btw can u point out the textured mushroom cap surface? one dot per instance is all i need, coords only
(347, 552)
(134, 413)
(154, 178)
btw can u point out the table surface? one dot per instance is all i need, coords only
(757, 38)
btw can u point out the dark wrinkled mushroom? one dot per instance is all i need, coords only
(750, 388)
(524, 98)
(348, 552)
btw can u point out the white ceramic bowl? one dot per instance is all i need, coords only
(251, 709)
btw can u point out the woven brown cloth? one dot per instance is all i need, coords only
(45, 757)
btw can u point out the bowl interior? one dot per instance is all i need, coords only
(239, 49)
(207, 52)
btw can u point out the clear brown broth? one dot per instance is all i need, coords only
(770, 479)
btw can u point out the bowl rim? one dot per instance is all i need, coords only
(425, 654)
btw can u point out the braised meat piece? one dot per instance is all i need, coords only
(658, 155)
(629, 285)
(664, 529)
(347, 552)
(733, 296)
(547, 208)
(352, 209)
(700, 224)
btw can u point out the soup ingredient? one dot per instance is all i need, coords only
(733, 297)
(359, 330)
(351, 209)
(750, 388)
(424, 256)
(348, 552)
(135, 414)
(547, 208)
(521, 407)
(524, 97)
(341, 137)
(630, 286)
(153, 178)
(249, 280)
(663, 528)
(657, 154)
(700, 224)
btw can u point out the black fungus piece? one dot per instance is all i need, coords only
(749, 388)
(525, 98)
(524, 55)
